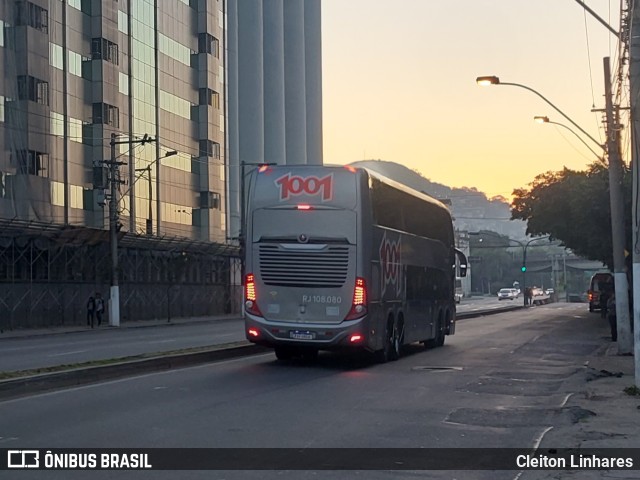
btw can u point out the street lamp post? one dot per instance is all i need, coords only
(545, 119)
(625, 340)
(148, 170)
(524, 261)
(524, 255)
(493, 80)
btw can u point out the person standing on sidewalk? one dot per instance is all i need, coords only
(611, 316)
(99, 307)
(91, 309)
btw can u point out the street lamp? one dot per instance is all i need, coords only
(545, 119)
(493, 80)
(147, 169)
(524, 246)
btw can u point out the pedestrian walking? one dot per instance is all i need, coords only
(611, 316)
(91, 310)
(99, 307)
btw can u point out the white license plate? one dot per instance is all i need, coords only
(302, 335)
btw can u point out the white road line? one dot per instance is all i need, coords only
(536, 444)
(67, 353)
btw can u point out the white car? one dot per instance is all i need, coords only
(507, 294)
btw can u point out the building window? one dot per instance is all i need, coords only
(207, 43)
(106, 114)
(209, 97)
(75, 64)
(101, 48)
(123, 22)
(123, 83)
(57, 124)
(2, 118)
(75, 130)
(55, 55)
(1, 33)
(33, 89)
(209, 149)
(77, 4)
(32, 15)
(31, 162)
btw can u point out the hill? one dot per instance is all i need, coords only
(471, 209)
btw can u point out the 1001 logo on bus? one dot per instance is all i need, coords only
(390, 264)
(294, 185)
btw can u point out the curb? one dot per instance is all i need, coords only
(22, 386)
(464, 315)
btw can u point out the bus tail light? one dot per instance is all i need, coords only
(355, 338)
(250, 296)
(359, 305)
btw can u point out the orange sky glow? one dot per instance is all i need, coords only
(399, 85)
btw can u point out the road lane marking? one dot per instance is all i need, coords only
(67, 353)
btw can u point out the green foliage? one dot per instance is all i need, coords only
(574, 207)
(633, 391)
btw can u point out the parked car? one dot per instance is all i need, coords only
(599, 282)
(507, 294)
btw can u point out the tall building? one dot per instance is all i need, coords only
(77, 71)
(188, 90)
(274, 88)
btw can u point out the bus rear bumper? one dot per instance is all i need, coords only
(348, 334)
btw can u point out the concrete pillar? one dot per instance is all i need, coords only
(274, 98)
(294, 82)
(313, 76)
(232, 130)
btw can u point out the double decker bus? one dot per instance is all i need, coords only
(344, 258)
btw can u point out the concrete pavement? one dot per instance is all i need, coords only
(612, 418)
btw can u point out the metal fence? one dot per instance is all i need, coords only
(48, 273)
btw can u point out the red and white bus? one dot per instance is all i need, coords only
(343, 258)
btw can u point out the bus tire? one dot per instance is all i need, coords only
(441, 334)
(387, 352)
(284, 353)
(435, 342)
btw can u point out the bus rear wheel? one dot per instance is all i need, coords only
(391, 348)
(438, 340)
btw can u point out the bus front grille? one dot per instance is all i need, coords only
(304, 268)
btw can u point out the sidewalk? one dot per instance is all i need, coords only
(60, 330)
(605, 416)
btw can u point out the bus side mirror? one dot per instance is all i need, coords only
(462, 260)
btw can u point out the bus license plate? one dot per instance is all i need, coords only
(298, 335)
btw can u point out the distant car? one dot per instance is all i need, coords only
(507, 294)
(458, 297)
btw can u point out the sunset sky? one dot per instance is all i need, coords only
(399, 85)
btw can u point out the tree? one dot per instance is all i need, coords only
(498, 266)
(574, 207)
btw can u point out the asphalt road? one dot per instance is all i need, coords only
(30, 352)
(508, 379)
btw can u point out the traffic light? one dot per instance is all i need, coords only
(523, 268)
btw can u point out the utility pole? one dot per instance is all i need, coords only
(115, 225)
(634, 87)
(625, 340)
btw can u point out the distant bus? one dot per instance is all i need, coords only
(343, 258)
